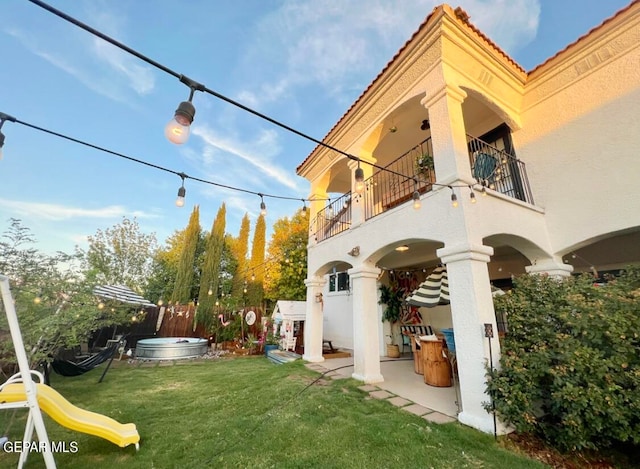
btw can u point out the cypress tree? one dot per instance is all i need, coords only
(255, 291)
(186, 266)
(210, 277)
(240, 248)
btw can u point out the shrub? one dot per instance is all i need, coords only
(570, 364)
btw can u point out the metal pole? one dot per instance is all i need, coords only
(25, 372)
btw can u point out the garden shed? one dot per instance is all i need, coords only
(289, 317)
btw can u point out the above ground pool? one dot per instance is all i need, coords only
(170, 348)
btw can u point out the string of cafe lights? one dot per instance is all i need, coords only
(178, 129)
(183, 176)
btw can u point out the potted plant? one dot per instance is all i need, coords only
(424, 163)
(269, 339)
(391, 296)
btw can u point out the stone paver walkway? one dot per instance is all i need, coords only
(376, 393)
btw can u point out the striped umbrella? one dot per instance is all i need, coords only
(121, 293)
(433, 291)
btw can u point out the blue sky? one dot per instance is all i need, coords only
(302, 62)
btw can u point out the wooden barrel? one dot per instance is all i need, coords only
(437, 370)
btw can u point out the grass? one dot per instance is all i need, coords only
(248, 412)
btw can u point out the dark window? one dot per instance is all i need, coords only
(339, 281)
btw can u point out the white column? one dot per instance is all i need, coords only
(366, 343)
(448, 135)
(313, 320)
(471, 308)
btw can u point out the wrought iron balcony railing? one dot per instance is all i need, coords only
(499, 170)
(385, 190)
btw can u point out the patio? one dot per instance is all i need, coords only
(401, 380)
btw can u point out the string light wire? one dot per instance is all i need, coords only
(205, 89)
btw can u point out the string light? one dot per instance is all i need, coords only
(472, 195)
(151, 165)
(203, 88)
(178, 129)
(4, 117)
(304, 208)
(187, 111)
(454, 198)
(359, 176)
(263, 206)
(416, 196)
(181, 192)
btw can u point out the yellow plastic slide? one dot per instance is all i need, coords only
(74, 418)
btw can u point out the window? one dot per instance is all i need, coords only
(339, 282)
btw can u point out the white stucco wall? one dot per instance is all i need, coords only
(337, 319)
(580, 139)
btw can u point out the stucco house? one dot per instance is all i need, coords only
(541, 165)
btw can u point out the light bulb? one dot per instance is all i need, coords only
(178, 129)
(176, 132)
(210, 292)
(160, 302)
(263, 209)
(454, 200)
(359, 176)
(37, 300)
(180, 200)
(304, 212)
(100, 305)
(472, 196)
(416, 200)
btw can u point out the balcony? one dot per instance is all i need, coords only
(395, 185)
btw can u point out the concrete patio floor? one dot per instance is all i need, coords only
(400, 381)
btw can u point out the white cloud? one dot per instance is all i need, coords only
(98, 65)
(61, 212)
(343, 45)
(258, 154)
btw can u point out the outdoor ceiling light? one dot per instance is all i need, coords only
(402, 248)
(178, 129)
(181, 192)
(359, 176)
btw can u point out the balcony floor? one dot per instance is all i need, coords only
(401, 380)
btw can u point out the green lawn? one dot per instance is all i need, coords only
(248, 412)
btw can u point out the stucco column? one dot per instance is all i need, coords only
(448, 135)
(471, 308)
(366, 348)
(313, 320)
(551, 266)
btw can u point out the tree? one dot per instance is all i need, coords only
(288, 254)
(210, 276)
(165, 267)
(255, 291)
(570, 367)
(187, 266)
(121, 255)
(54, 302)
(240, 247)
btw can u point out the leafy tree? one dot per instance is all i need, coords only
(570, 367)
(240, 247)
(210, 277)
(288, 252)
(255, 291)
(187, 266)
(55, 305)
(121, 255)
